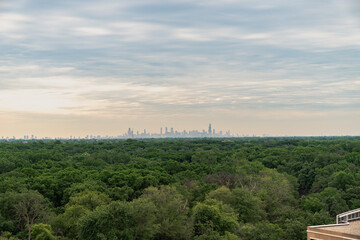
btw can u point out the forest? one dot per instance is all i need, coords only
(159, 189)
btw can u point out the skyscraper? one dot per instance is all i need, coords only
(209, 132)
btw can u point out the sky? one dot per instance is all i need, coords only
(280, 67)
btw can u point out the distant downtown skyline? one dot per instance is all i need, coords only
(164, 132)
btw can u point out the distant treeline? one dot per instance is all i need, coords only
(203, 189)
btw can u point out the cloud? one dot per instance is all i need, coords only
(154, 58)
(91, 31)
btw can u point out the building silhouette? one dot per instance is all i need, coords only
(347, 227)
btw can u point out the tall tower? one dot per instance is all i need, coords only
(210, 131)
(161, 131)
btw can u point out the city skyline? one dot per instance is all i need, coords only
(164, 132)
(253, 66)
(143, 133)
(174, 133)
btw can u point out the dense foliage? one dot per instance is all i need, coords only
(249, 189)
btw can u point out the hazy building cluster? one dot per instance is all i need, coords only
(166, 132)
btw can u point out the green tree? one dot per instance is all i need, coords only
(7, 236)
(248, 208)
(312, 204)
(171, 214)
(341, 180)
(30, 207)
(42, 231)
(120, 220)
(334, 203)
(89, 199)
(261, 231)
(79, 204)
(213, 215)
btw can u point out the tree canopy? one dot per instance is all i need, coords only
(265, 188)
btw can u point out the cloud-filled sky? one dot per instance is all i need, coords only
(252, 66)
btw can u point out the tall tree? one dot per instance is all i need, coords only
(30, 206)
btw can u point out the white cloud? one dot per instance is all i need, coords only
(19, 68)
(91, 31)
(13, 26)
(178, 57)
(38, 101)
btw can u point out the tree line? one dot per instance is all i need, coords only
(250, 189)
